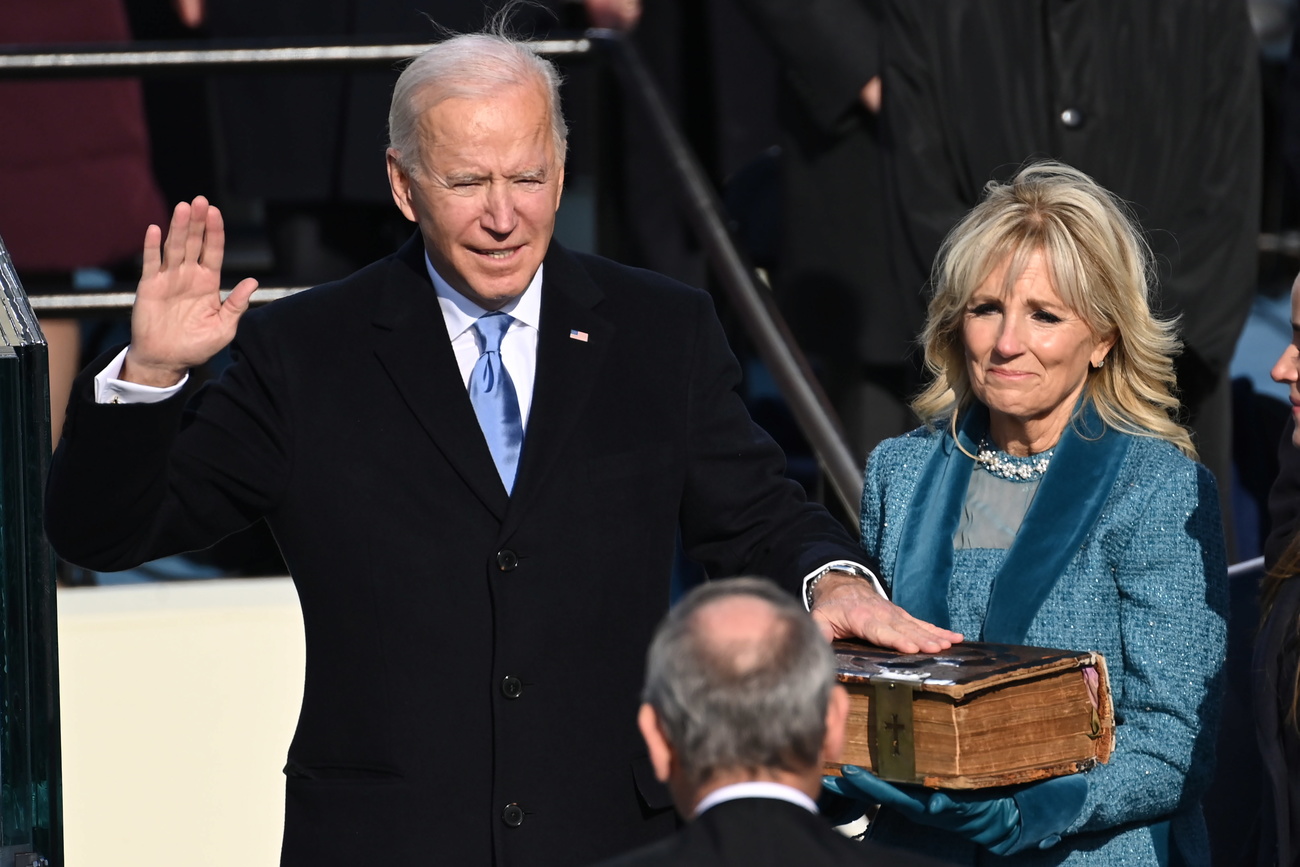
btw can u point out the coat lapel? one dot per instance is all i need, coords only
(411, 344)
(567, 368)
(924, 566)
(1065, 508)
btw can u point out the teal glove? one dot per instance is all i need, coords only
(995, 822)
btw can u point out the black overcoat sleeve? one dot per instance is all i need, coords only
(740, 514)
(131, 483)
(828, 50)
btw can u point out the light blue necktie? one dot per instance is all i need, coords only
(494, 399)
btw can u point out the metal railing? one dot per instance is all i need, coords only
(103, 59)
(1254, 566)
(101, 303)
(752, 301)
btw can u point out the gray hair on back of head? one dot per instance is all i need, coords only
(470, 66)
(741, 705)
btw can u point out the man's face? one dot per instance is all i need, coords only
(484, 191)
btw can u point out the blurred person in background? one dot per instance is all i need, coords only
(65, 141)
(832, 270)
(1159, 102)
(1276, 661)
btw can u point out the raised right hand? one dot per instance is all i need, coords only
(179, 320)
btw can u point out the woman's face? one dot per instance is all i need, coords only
(1028, 355)
(1287, 368)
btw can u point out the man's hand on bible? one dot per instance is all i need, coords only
(179, 320)
(847, 606)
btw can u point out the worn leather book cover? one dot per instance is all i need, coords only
(976, 715)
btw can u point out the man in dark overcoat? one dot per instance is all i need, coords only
(475, 455)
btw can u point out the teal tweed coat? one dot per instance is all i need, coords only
(1141, 577)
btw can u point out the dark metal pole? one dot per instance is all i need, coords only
(763, 321)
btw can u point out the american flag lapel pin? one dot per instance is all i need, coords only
(580, 336)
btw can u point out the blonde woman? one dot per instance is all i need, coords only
(1052, 500)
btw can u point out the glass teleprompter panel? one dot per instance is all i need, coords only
(31, 828)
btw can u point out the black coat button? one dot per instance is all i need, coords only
(513, 815)
(512, 687)
(1072, 118)
(507, 560)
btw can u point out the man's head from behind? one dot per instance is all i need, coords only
(740, 686)
(476, 158)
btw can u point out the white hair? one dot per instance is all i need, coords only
(469, 66)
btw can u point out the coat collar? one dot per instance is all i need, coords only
(572, 343)
(415, 353)
(1064, 510)
(411, 344)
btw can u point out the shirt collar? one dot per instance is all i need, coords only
(460, 313)
(756, 789)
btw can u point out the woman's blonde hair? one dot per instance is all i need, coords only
(1100, 265)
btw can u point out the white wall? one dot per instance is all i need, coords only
(178, 704)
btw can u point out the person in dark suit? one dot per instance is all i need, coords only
(740, 712)
(958, 94)
(480, 520)
(835, 275)
(1275, 663)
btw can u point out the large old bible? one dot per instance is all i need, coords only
(976, 715)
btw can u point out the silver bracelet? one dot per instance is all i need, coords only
(847, 568)
(808, 588)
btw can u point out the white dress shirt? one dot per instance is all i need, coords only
(756, 789)
(518, 347)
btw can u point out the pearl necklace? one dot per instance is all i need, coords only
(1006, 466)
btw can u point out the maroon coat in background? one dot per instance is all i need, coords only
(77, 187)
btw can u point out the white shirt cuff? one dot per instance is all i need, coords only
(841, 566)
(110, 389)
